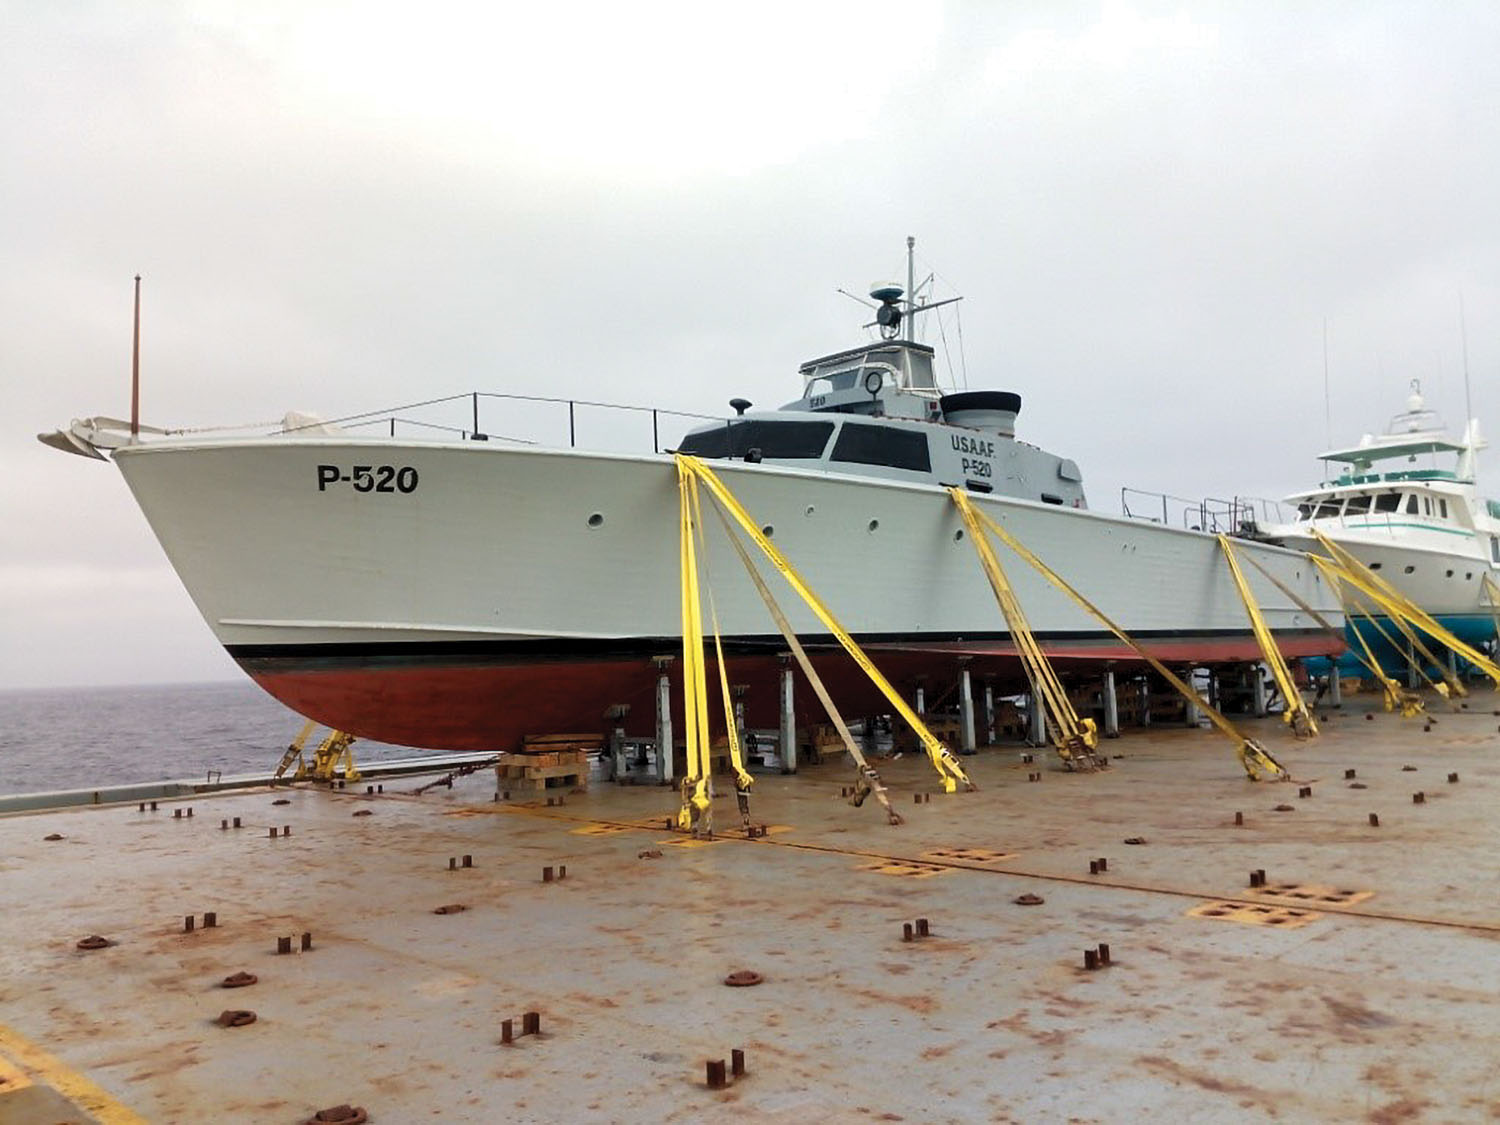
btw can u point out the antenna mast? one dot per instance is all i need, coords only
(911, 296)
(135, 366)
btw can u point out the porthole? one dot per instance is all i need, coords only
(958, 535)
(874, 526)
(1450, 574)
(1468, 576)
(768, 531)
(810, 510)
(1376, 566)
(596, 520)
(1410, 570)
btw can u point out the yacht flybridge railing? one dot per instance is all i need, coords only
(460, 416)
(1233, 516)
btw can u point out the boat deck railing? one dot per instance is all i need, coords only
(1233, 516)
(531, 420)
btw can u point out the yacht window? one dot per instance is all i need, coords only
(1443, 506)
(1411, 505)
(882, 445)
(1329, 509)
(1357, 505)
(1495, 548)
(775, 440)
(1427, 505)
(1388, 502)
(1304, 511)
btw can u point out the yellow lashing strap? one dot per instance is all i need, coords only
(1296, 714)
(950, 772)
(742, 778)
(1493, 592)
(294, 751)
(1392, 689)
(1398, 606)
(697, 801)
(1075, 739)
(1450, 685)
(1409, 702)
(1252, 755)
(868, 780)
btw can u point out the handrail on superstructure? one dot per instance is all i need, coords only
(391, 416)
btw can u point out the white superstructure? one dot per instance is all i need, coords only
(1406, 503)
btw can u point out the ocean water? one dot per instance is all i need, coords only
(81, 738)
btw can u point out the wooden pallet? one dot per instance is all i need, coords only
(544, 743)
(523, 776)
(546, 758)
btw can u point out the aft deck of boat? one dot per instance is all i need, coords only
(1373, 998)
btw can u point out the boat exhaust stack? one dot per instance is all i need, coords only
(992, 411)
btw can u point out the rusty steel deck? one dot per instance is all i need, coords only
(1358, 984)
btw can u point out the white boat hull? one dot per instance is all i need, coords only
(510, 591)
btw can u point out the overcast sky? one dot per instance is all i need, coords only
(1152, 211)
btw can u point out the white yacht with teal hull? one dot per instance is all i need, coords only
(1407, 504)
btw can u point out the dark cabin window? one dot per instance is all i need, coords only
(775, 440)
(1357, 505)
(882, 445)
(1388, 502)
(1411, 505)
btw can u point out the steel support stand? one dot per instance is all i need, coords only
(664, 743)
(989, 713)
(1037, 721)
(1258, 692)
(1111, 706)
(966, 711)
(788, 720)
(1335, 688)
(921, 702)
(1190, 712)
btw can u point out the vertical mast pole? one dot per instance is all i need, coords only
(911, 297)
(135, 366)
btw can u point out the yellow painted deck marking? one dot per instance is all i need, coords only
(43, 1067)
(1311, 894)
(12, 1077)
(907, 870)
(968, 855)
(1280, 917)
(602, 829)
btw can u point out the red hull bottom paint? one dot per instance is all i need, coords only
(458, 705)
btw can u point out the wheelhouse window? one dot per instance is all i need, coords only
(1358, 505)
(1329, 509)
(1388, 502)
(1411, 504)
(1443, 508)
(882, 445)
(788, 441)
